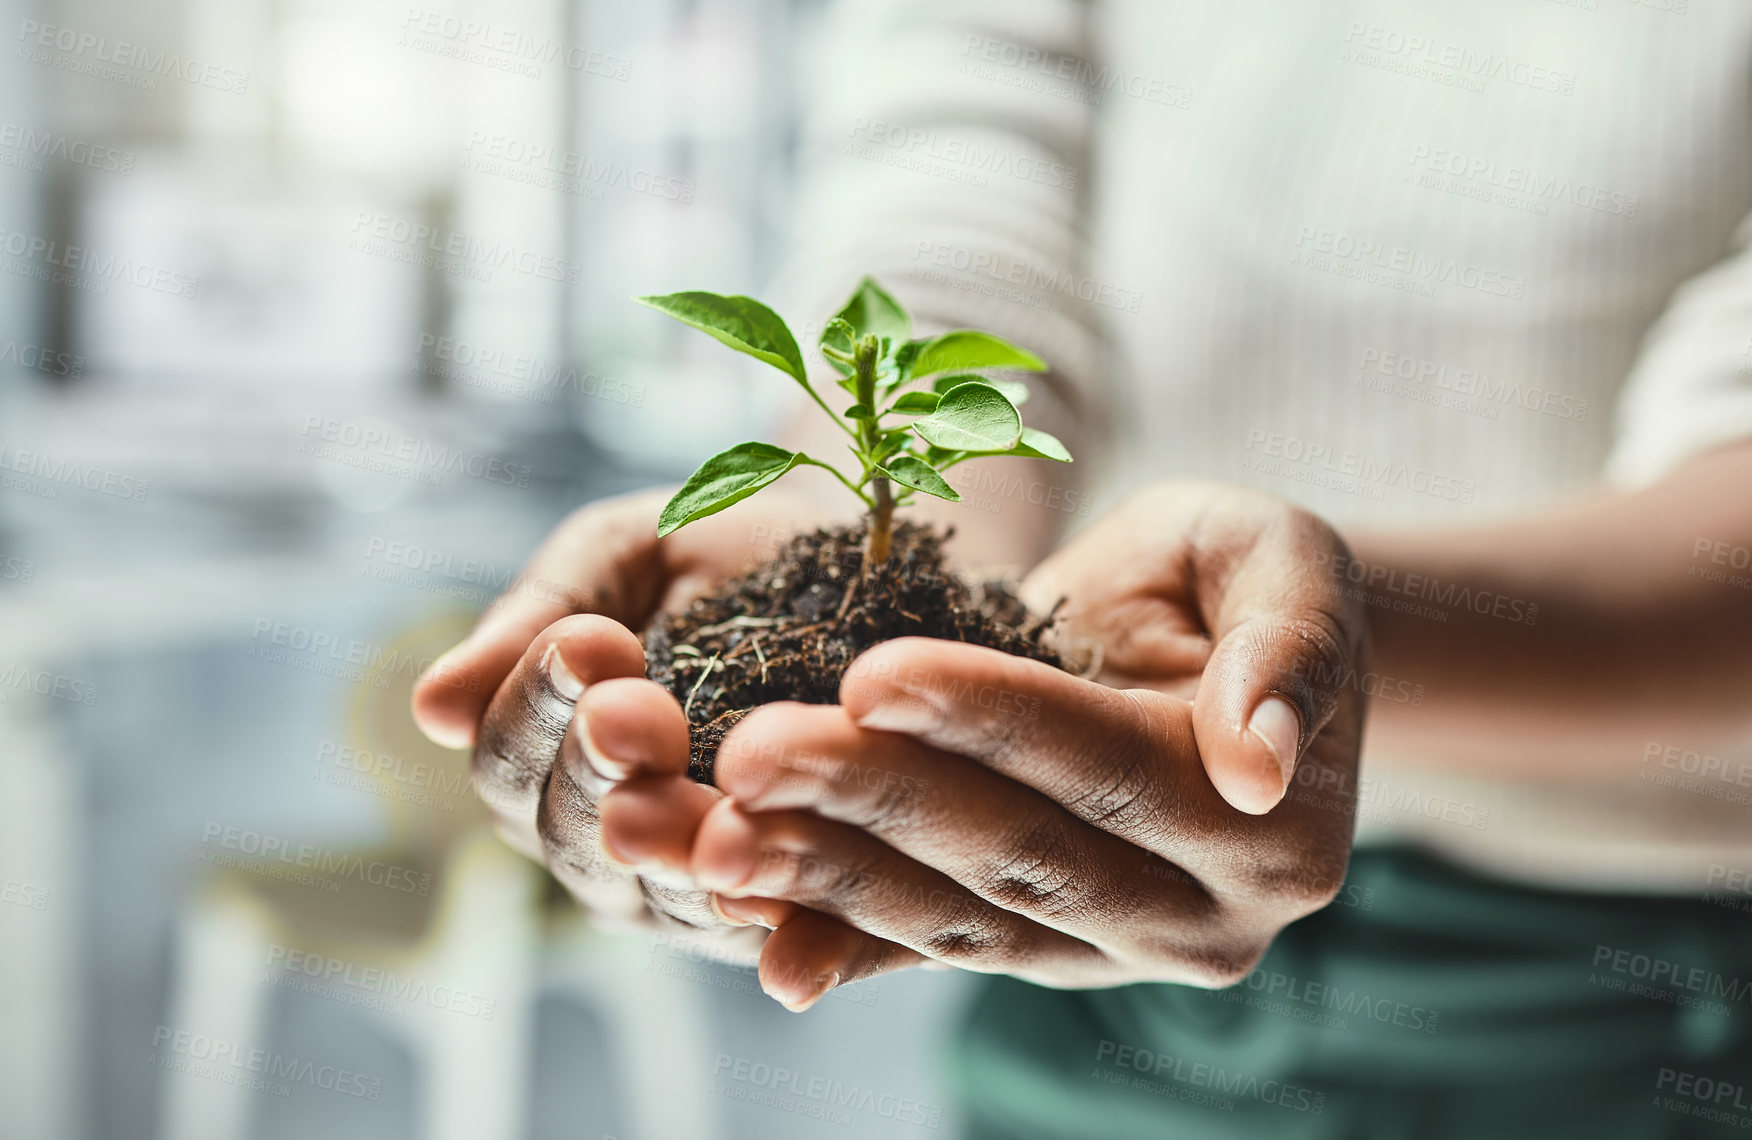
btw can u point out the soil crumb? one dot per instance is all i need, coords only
(779, 634)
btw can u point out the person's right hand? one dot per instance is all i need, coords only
(550, 691)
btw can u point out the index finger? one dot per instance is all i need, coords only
(1122, 760)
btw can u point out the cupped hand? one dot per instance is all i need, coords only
(549, 691)
(1000, 815)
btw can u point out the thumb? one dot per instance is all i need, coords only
(1272, 683)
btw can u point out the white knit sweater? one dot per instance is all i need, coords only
(1400, 260)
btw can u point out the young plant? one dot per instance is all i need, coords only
(901, 441)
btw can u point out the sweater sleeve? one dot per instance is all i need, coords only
(946, 154)
(1690, 389)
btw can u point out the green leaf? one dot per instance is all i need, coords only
(836, 342)
(1037, 444)
(723, 480)
(859, 412)
(872, 312)
(904, 357)
(911, 471)
(965, 348)
(892, 442)
(740, 322)
(972, 417)
(1014, 390)
(915, 403)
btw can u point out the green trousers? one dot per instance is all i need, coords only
(1426, 1003)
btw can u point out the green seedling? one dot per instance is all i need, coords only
(919, 406)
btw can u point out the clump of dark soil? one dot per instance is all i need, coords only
(787, 631)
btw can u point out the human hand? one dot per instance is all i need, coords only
(549, 690)
(1003, 816)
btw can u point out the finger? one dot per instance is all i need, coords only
(521, 732)
(1288, 645)
(649, 823)
(567, 837)
(625, 726)
(1123, 760)
(842, 871)
(1004, 841)
(812, 953)
(603, 559)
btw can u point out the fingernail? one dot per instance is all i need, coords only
(606, 766)
(805, 993)
(564, 681)
(746, 911)
(609, 852)
(1276, 725)
(915, 716)
(729, 862)
(724, 916)
(666, 876)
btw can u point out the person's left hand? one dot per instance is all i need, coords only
(1003, 816)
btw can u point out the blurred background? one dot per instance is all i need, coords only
(313, 320)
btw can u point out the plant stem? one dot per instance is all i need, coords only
(882, 509)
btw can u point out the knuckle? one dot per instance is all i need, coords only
(1125, 799)
(971, 938)
(1033, 873)
(883, 804)
(568, 826)
(804, 872)
(1300, 874)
